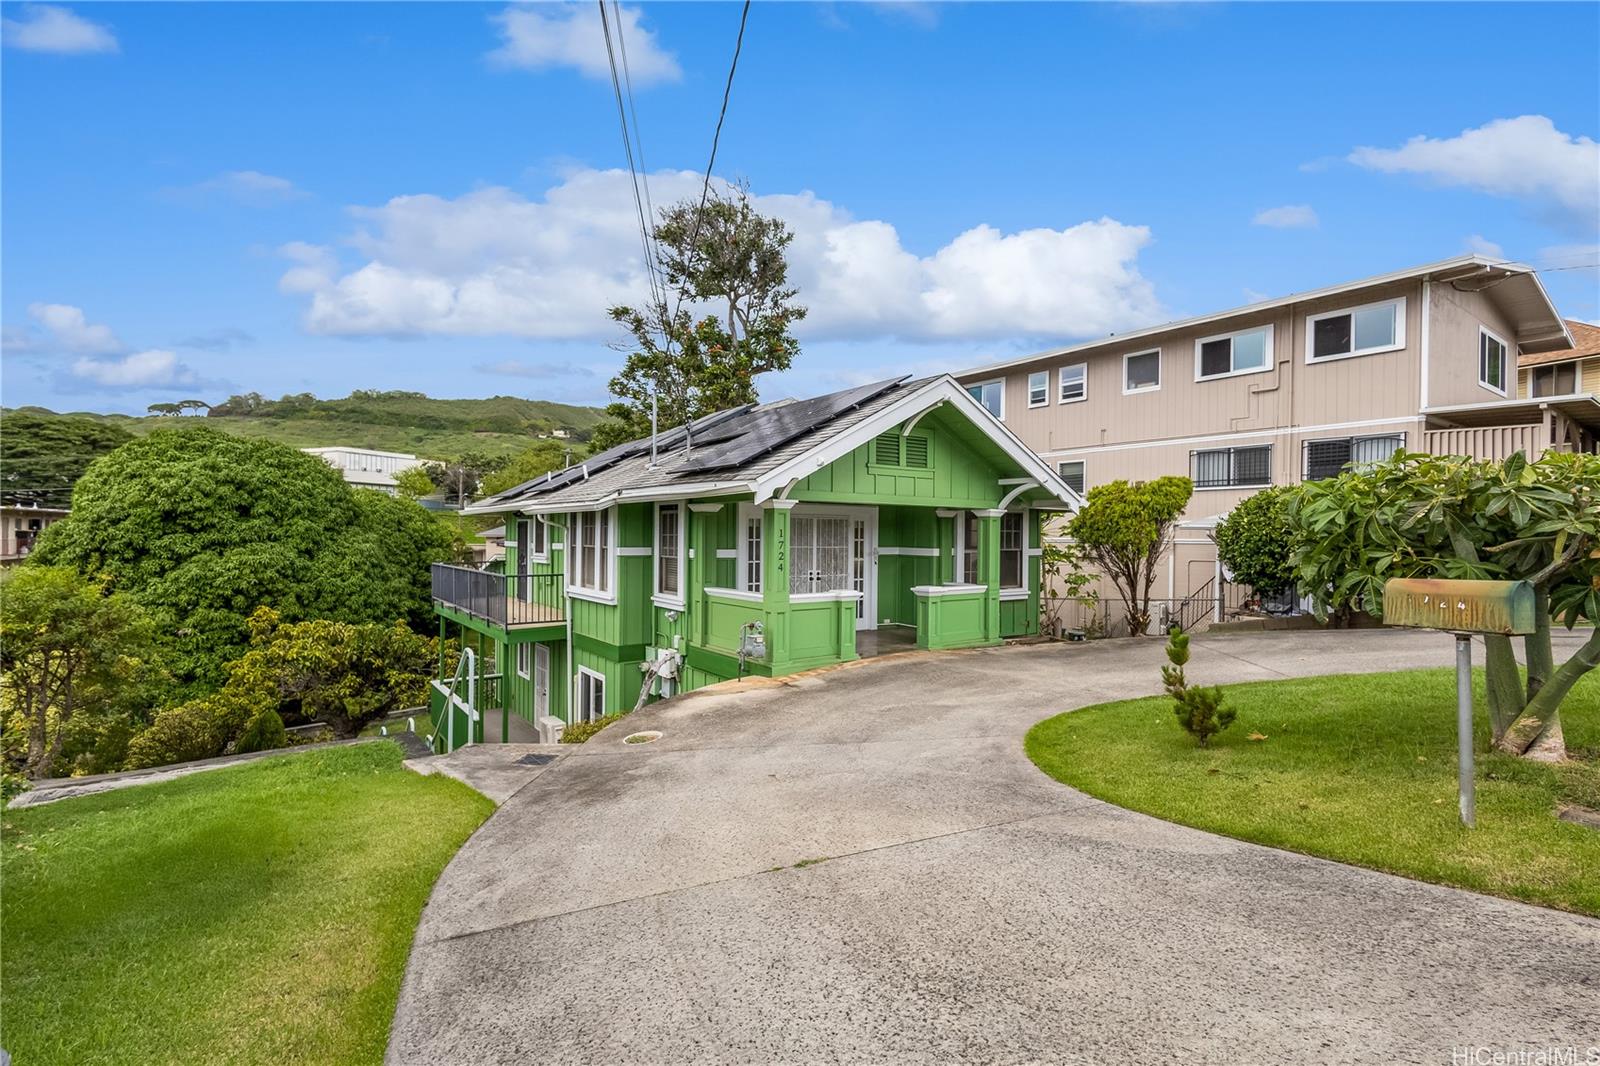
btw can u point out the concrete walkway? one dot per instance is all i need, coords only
(661, 903)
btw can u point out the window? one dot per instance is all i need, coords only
(1557, 379)
(591, 695)
(1329, 457)
(752, 552)
(1074, 383)
(589, 566)
(540, 540)
(1141, 372)
(1230, 468)
(1491, 362)
(992, 395)
(669, 552)
(1071, 471)
(1356, 331)
(1013, 549)
(1248, 352)
(1039, 388)
(524, 654)
(892, 449)
(969, 548)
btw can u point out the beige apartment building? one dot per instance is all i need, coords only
(1428, 359)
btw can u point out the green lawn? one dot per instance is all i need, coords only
(1359, 769)
(258, 914)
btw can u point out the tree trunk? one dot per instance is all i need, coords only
(1503, 684)
(1536, 648)
(1536, 732)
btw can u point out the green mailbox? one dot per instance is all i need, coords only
(1504, 607)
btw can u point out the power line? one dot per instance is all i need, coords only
(657, 290)
(638, 140)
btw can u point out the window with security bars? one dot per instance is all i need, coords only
(892, 449)
(1225, 468)
(1331, 456)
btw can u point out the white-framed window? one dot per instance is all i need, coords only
(992, 395)
(1013, 550)
(1330, 456)
(749, 577)
(669, 554)
(1073, 383)
(591, 557)
(540, 538)
(1141, 372)
(524, 660)
(1072, 472)
(967, 555)
(1365, 330)
(1553, 379)
(1232, 468)
(524, 560)
(1039, 388)
(1225, 355)
(1492, 361)
(591, 692)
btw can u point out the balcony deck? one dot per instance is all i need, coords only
(510, 602)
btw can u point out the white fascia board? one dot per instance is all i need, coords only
(655, 493)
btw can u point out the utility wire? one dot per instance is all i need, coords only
(638, 140)
(657, 290)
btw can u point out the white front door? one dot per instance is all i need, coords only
(541, 680)
(832, 549)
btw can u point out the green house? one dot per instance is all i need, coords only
(761, 540)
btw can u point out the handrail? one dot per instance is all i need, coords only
(466, 667)
(502, 599)
(1199, 603)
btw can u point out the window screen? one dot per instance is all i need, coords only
(1330, 336)
(1142, 371)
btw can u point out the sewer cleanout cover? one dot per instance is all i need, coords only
(642, 738)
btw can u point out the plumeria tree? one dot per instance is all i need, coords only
(1124, 529)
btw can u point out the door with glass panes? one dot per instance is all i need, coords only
(836, 549)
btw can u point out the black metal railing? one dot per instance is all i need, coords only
(505, 600)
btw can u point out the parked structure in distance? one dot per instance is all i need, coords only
(1298, 388)
(20, 526)
(365, 467)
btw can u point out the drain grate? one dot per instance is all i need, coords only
(535, 759)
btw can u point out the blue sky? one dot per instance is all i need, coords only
(200, 199)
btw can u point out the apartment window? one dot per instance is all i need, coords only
(1356, 331)
(1247, 352)
(752, 552)
(524, 660)
(1039, 388)
(1557, 379)
(590, 565)
(1231, 468)
(591, 695)
(992, 395)
(1491, 362)
(540, 539)
(1331, 456)
(895, 449)
(1141, 372)
(669, 551)
(969, 548)
(1013, 550)
(1071, 471)
(1074, 383)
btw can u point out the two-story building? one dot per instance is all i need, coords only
(366, 468)
(1294, 388)
(1565, 371)
(762, 540)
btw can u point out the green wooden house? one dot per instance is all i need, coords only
(761, 540)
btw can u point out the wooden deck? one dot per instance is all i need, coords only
(521, 614)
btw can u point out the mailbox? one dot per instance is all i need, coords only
(1504, 607)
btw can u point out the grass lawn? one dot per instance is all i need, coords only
(1360, 769)
(258, 914)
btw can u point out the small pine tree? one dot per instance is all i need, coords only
(1199, 710)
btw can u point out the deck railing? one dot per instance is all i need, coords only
(504, 600)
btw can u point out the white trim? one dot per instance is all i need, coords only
(1142, 388)
(989, 512)
(780, 505)
(656, 492)
(1398, 304)
(1427, 316)
(1061, 383)
(905, 430)
(1505, 360)
(524, 670)
(1034, 553)
(947, 590)
(946, 512)
(1268, 352)
(705, 508)
(541, 658)
(1017, 592)
(1083, 471)
(574, 558)
(726, 553)
(593, 597)
(831, 594)
(749, 512)
(1282, 431)
(634, 551)
(672, 601)
(919, 553)
(734, 594)
(1010, 594)
(595, 675)
(1000, 381)
(1044, 388)
(1014, 493)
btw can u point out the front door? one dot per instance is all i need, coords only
(831, 550)
(541, 680)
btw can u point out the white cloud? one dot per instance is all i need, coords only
(150, 369)
(249, 187)
(516, 368)
(1289, 216)
(494, 262)
(1478, 244)
(47, 28)
(67, 328)
(1523, 158)
(570, 35)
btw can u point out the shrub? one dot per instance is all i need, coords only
(1199, 710)
(263, 732)
(199, 729)
(577, 734)
(1255, 540)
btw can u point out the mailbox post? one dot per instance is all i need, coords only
(1462, 608)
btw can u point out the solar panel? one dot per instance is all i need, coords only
(769, 429)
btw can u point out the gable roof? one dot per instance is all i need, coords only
(762, 449)
(1585, 345)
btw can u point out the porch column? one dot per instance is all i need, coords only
(775, 580)
(704, 554)
(989, 569)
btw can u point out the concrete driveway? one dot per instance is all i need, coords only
(658, 903)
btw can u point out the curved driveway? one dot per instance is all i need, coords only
(653, 904)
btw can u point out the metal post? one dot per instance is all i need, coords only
(1464, 770)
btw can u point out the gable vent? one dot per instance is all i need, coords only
(886, 450)
(917, 452)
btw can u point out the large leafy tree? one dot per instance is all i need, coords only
(201, 528)
(1253, 541)
(1453, 517)
(43, 455)
(459, 479)
(1124, 529)
(537, 459)
(724, 257)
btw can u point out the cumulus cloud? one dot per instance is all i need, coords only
(249, 187)
(62, 327)
(1289, 216)
(47, 28)
(149, 369)
(494, 262)
(1524, 158)
(570, 35)
(1478, 244)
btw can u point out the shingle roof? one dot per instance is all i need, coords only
(1586, 345)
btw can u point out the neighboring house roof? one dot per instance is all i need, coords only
(1518, 287)
(497, 533)
(1585, 345)
(761, 449)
